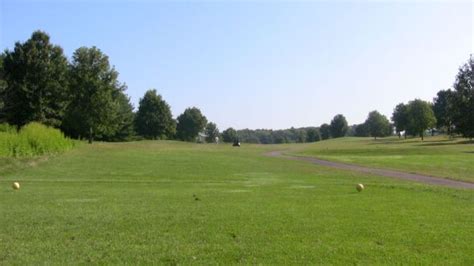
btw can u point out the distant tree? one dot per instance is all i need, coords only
(36, 74)
(312, 135)
(279, 137)
(420, 117)
(338, 127)
(94, 91)
(362, 130)
(464, 100)
(229, 135)
(300, 135)
(444, 110)
(325, 131)
(190, 124)
(377, 125)
(212, 132)
(400, 118)
(153, 119)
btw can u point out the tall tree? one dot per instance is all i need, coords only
(444, 110)
(464, 100)
(190, 124)
(420, 117)
(94, 86)
(377, 125)
(325, 131)
(153, 118)
(338, 126)
(36, 74)
(400, 118)
(229, 135)
(212, 132)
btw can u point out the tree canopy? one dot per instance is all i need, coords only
(153, 119)
(400, 118)
(378, 125)
(464, 99)
(325, 131)
(229, 135)
(420, 117)
(36, 74)
(338, 127)
(94, 87)
(444, 110)
(212, 132)
(190, 124)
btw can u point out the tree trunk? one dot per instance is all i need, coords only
(90, 135)
(421, 136)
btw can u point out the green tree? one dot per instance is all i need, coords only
(361, 130)
(444, 110)
(190, 123)
(377, 125)
(229, 135)
(325, 131)
(153, 119)
(420, 117)
(36, 74)
(125, 118)
(94, 88)
(464, 100)
(338, 127)
(400, 118)
(212, 132)
(312, 135)
(3, 86)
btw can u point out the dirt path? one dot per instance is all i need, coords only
(376, 171)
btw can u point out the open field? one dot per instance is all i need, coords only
(180, 203)
(436, 156)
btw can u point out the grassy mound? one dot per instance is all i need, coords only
(32, 140)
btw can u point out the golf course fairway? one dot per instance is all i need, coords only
(181, 203)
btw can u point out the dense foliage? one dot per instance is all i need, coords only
(32, 139)
(269, 136)
(153, 119)
(212, 132)
(338, 126)
(378, 125)
(190, 124)
(463, 100)
(36, 74)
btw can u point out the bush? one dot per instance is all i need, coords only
(32, 140)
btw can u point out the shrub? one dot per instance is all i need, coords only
(32, 140)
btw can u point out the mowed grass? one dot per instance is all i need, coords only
(435, 156)
(177, 203)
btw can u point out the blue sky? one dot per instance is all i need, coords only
(263, 64)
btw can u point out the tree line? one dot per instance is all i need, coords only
(83, 97)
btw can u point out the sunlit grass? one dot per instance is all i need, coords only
(178, 203)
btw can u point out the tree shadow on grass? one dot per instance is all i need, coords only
(445, 142)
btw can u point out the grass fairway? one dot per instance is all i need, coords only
(436, 156)
(179, 203)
